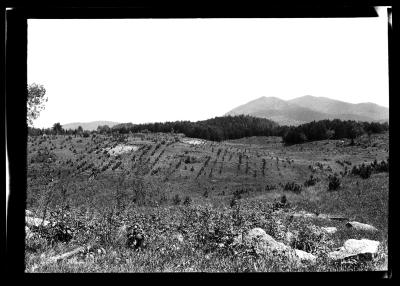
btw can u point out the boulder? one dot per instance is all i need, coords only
(290, 237)
(329, 229)
(361, 226)
(304, 214)
(121, 235)
(178, 237)
(305, 256)
(28, 233)
(263, 242)
(354, 248)
(36, 221)
(323, 216)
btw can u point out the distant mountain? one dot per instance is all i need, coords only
(308, 108)
(336, 107)
(89, 125)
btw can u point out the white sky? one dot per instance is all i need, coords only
(151, 70)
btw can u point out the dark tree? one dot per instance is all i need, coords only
(35, 102)
(57, 128)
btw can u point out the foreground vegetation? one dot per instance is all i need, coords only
(194, 198)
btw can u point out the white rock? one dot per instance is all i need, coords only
(290, 237)
(263, 242)
(35, 221)
(304, 214)
(329, 229)
(305, 256)
(28, 233)
(355, 247)
(121, 148)
(179, 237)
(121, 235)
(28, 213)
(361, 226)
(237, 240)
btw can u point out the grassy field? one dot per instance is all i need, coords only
(205, 193)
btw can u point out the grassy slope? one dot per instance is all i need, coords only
(164, 177)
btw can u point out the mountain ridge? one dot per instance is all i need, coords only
(90, 126)
(308, 108)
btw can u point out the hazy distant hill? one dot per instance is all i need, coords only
(89, 125)
(308, 108)
(336, 107)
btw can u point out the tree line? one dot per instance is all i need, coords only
(332, 129)
(215, 129)
(235, 127)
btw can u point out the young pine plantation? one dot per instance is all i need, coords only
(162, 202)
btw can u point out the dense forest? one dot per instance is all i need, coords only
(332, 129)
(234, 127)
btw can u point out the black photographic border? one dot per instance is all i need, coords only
(15, 63)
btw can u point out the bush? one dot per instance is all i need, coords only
(310, 238)
(293, 187)
(281, 204)
(364, 171)
(177, 199)
(334, 183)
(310, 181)
(187, 201)
(270, 187)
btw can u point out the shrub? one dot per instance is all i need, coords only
(282, 203)
(310, 181)
(187, 201)
(310, 238)
(364, 171)
(176, 200)
(270, 187)
(334, 183)
(292, 186)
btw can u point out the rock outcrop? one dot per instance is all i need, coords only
(305, 256)
(264, 243)
(36, 221)
(361, 226)
(329, 229)
(354, 248)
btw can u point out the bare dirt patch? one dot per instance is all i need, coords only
(192, 141)
(120, 149)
